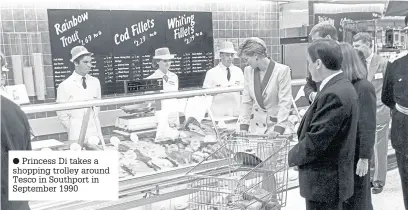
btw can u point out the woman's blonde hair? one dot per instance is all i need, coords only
(352, 65)
(252, 46)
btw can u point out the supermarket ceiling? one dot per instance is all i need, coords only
(397, 8)
(340, 1)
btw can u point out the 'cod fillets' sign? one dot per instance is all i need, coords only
(123, 43)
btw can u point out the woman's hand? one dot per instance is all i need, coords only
(362, 167)
(242, 133)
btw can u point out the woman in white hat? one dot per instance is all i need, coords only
(225, 74)
(162, 61)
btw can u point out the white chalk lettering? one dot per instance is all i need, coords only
(183, 32)
(122, 37)
(179, 21)
(69, 40)
(61, 28)
(142, 27)
(179, 26)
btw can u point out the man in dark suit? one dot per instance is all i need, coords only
(395, 96)
(327, 133)
(323, 30)
(15, 135)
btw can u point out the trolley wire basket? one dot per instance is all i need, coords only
(254, 175)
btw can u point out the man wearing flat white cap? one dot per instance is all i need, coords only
(162, 60)
(225, 74)
(80, 86)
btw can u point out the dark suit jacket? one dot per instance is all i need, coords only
(310, 86)
(15, 135)
(327, 140)
(395, 91)
(367, 120)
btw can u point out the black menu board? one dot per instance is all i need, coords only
(190, 34)
(70, 28)
(123, 43)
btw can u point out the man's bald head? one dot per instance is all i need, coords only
(324, 30)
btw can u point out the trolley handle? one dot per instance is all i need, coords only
(261, 135)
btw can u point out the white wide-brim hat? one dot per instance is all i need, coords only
(163, 54)
(78, 51)
(227, 47)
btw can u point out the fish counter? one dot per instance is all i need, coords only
(153, 167)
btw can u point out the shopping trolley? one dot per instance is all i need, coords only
(253, 176)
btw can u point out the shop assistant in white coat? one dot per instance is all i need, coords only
(225, 74)
(267, 95)
(162, 60)
(80, 86)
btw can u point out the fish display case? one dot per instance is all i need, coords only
(154, 157)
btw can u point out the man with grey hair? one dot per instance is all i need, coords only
(322, 30)
(376, 66)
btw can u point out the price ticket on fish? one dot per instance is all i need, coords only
(63, 175)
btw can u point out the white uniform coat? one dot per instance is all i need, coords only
(266, 105)
(225, 103)
(172, 84)
(71, 90)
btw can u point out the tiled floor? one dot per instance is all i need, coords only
(390, 199)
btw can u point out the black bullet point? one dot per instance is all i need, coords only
(16, 160)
